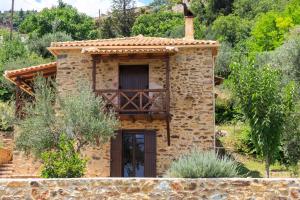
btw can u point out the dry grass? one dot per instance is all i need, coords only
(250, 166)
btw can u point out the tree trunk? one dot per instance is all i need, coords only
(80, 144)
(267, 166)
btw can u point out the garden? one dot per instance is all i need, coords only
(256, 111)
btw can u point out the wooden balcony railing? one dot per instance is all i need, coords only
(135, 101)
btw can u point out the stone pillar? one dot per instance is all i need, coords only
(189, 27)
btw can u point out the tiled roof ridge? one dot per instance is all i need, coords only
(28, 69)
(139, 37)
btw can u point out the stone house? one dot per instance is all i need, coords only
(162, 90)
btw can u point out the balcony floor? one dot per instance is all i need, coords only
(143, 116)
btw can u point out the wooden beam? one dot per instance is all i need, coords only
(144, 116)
(168, 99)
(95, 60)
(23, 83)
(18, 99)
(128, 57)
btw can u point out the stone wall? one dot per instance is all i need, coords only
(116, 188)
(191, 106)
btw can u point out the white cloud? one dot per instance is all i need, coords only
(90, 7)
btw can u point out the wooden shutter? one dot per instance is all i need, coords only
(134, 77)
(116, 156)
(150, 154)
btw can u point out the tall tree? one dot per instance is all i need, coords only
(123, 12)
(157, 24)
(21, 15)
(231, 29)
(62, 4)
(217, 7)
(264, 103)
(63, 18)
(107, 30)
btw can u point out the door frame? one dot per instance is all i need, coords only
(135, 131)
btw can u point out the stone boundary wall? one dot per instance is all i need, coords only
(150, 188)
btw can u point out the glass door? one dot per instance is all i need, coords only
(133, 155)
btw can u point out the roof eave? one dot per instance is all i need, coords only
(13, 82)
(54, 50)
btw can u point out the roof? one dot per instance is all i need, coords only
(23, 77)
(136, 43)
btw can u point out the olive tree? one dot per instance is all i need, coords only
(85, 118)
(81, 115)
(261, 96)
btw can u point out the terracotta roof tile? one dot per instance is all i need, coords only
(26, 74)
(33, 69)
(135, 41)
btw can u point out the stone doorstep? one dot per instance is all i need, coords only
(8, 164)
(7, 168)
(4, 169)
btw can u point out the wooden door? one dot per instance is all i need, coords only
(116, 155)
(133, 154)
(133, 77)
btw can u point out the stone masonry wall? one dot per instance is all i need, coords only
(191, 106)
(136, 189)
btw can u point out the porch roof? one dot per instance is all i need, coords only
(23, 77)
(136, 44)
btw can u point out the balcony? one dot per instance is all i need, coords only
(136, 103)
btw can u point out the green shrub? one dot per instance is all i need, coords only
(64, 162)
(244, 142)
(226, 109)
(7, 113)
(238, 138)
(223, 60)
(39, 44)
(12, 49)
(199, 164)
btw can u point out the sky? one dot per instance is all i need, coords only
(90, 7)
